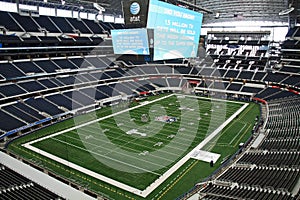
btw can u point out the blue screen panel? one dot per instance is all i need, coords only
(176, 30)
(130, 41)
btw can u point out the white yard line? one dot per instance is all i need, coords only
(212, 99)
(175, 167)
(157, 182)
(109, 158)
(237, 134)
(84, 170)
(96, 120)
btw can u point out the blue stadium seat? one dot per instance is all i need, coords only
(45, 22)
(93, 26)
(31, 111)
(174, 82)
(232, 73)
(234, 87)
(31, 86)
(8, 22)
(62, 24)
(251, 89)
(246, 75)
(61, 100)
(64, 64)
(9, 71)
(20, 114)
(44, 106)
(79, 97)
(26, 22)
(8, 123)
(28, 67)
(11, 89)
(47, 66)
(78, 24)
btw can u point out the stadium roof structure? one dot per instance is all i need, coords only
(254, 10)
(215, 11)
(113, 7)
(246, 10)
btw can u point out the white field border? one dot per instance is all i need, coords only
(143, 193)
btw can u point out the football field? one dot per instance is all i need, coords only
(138, 145)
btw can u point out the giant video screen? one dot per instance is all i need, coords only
(130, 41)
(176, 30)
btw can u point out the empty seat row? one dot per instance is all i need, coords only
(16, 186)
(277, 158)
(42, 67)
(15, 22)
(264, 177)
(239, 192)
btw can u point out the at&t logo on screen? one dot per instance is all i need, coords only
(135, 8)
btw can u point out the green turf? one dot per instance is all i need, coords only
(69, 145)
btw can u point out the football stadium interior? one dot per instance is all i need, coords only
(150, 99)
